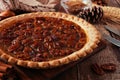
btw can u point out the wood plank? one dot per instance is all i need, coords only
(106, 56)
(70, 74)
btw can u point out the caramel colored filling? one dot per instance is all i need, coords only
(42, 39)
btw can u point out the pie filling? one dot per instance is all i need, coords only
(42, 39)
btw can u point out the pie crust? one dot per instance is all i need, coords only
(93, 38)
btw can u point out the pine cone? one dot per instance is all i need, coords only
(91, 15)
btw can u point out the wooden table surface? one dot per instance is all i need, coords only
(111, 54)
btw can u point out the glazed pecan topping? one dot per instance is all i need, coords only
(42, 38)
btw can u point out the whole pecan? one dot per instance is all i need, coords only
(97, 69)
(110, 67)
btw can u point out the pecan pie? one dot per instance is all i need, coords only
(46, 39)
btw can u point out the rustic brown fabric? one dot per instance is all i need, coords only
(29, 5)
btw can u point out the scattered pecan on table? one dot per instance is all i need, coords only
(110, 67)
(103, 68)
(97, 69)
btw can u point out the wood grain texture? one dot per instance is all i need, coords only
(70, 74)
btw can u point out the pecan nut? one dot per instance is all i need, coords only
(97, 69)
(109, 67)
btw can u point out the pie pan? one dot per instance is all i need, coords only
(92, 39)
